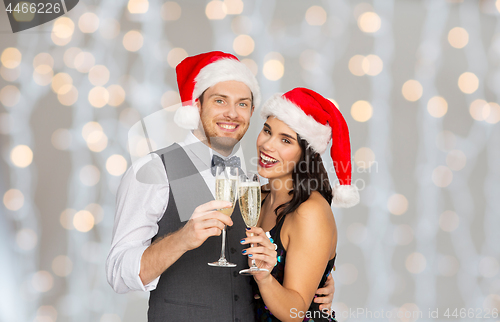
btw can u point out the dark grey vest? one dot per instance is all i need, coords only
(190, 290)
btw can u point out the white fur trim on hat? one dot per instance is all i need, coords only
(345, 196)
(316, 134)
(222, 70)
(187, 117)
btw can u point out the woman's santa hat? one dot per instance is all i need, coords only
(197, 73)
(317, 120)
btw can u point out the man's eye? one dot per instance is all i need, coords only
(218, 101)
(243, 104)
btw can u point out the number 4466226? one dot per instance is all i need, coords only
(40, 7)
(472, 313)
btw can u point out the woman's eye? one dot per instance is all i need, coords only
(286, 141)
(266, 131)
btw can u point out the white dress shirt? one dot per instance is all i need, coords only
(141, 201)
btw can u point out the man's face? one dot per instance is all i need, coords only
(225, 114)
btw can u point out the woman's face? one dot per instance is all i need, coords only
(277, 149)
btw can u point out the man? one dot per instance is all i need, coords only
(154, 248)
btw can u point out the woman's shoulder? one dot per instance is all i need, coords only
(316, 209)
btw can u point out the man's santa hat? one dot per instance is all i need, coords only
(197, 73)
(317, 120)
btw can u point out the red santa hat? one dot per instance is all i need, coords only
(317, 120)
(197, 73)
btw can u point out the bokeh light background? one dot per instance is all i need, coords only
(417, 81)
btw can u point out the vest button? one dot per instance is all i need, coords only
(233, 250)
(236, 297)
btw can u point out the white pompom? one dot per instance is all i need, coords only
(187, 117)
(345, 196)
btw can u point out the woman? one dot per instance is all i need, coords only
(296, 208)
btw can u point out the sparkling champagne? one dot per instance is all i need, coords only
(249, 194)
(225, 189)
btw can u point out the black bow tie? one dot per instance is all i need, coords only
(233, 162)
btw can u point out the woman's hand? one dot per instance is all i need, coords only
(263, 251)
(326, 293)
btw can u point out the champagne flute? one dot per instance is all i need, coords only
(226, 181)
(249, 198)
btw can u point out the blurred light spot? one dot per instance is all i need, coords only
(445, 140)
(416, 263)
(96, 211)
(372, 65)
(13, 199)
(69, 95)
(397, 204)
(98, 96)
(24, 16)
(138, 6)
(448, 265)
(43, 59)
(346, 274)
(66, 218)
(478, 109)
(251, 64)
(116, 165)
(497, 4)
(21, 156)
(273, 69)
(175, 56)
(83, 221)
(449, 221)
(310, 59)
(110, 28)
(70, 56)
(90, 128)
(11, 57)
(133, 40)
(62, 266)
(97, 141)
(403, 234)
(46, 313)
(437, 106)
(243, 45)
(89, 176)
(110, 318)
(234, 7)
(334, 102)
(241, 25)
(84, 61)
(356, 65)
(492, 303)
(361, 111)
(171, 11)
(442, 176)
(10, 95)
(489, 267)
(26, 239)
(99, 75)
(139, 146)
(364, 158)
(42, 75)
(412, 90)
(468, 82)
(357, 233)
(42, 281)
(59, 81)
(316, 16)
(88, 22)
(61, 139)
(216, 10)
(361, 8)
(170, 99)
(456, 160)
(275, 55)
(493, 116)
(62, 31)
(8, 74)
(458, 37)
(130, 116)
(116, 95)
(369, 22)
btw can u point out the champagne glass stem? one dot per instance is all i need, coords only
(223, 251)
(253, 259)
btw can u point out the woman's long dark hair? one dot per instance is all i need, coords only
(308, 175)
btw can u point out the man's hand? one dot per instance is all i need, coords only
(205, 222)
(327, 291)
